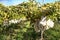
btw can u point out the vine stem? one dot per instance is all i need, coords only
(42, 33)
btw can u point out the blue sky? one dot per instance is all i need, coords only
(15, 2)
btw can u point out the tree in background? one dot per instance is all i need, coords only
(23, 21)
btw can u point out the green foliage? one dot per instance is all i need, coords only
(53, 34)
(25, 30)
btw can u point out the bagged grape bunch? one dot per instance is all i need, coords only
(47, 23)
